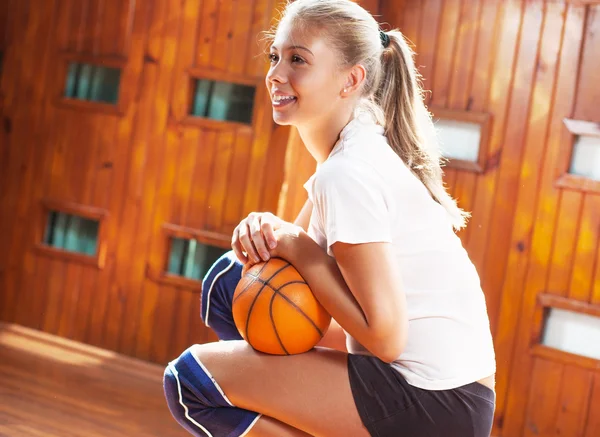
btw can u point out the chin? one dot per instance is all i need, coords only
(282, 120)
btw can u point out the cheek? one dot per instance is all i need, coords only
(315, 89)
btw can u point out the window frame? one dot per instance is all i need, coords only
(564, 179)
(193, 74)
(89, 212)
(484, 120)
(60, 100)
(160, 274)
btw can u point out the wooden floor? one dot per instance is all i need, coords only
(51, 387)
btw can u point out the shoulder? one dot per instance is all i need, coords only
(346, 170)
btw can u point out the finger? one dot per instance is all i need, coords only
(237, 247)
(267, 228)
(258, 239)
(246, 242)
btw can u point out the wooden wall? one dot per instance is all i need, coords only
(533, 237)
(529, 64)
(142, 164)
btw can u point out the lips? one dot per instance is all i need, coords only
(280, 100)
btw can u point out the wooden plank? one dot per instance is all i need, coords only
(299, 166)
(54, 290)
(17, 211)
(127, 15)
(592, 420)
(545, 221)
(275, 174)
(154, 309)
(574, 401)
(509, 16)
(124, 206)
(539, 120)
(565, 237)
(543, 400)
(411, 21)
(586, 249)
(232, 208)
(224, 31)
(146, 182)
(240, 35)
(507, 183)
(260, 147)
(445, 52)
(588, 92)
(428, 38)
(161, 347)
(459, 93)
(482, 73)
(181, 100)
(206, 36)
(220, 174)
(264, 10)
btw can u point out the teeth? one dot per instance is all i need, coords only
(282, 98)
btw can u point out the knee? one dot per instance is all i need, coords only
(218, 285)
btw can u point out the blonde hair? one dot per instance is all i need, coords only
(391, 90)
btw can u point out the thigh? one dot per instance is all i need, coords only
(309, 391)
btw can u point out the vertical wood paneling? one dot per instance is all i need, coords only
(537, 126)
(499, 93)
(544, 402)
(574, 402)
(545, 225)
(153, 154)
(592, 420)
(586, 248)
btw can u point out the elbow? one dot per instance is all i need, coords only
(389, 341)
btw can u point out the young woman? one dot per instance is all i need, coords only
(376, 244)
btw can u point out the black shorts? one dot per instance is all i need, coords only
(390, 407)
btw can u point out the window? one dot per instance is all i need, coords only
(191, 259)
(459, 140)
(91, 82)
(579, 156)
(572, 332)
(463, 137)
(224, 101)
(585, 160)
(71, 233)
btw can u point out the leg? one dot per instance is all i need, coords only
(218, 287)
(309, 392)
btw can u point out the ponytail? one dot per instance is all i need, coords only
(408, 125)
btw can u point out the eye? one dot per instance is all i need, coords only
(272, 57)
(296, 58)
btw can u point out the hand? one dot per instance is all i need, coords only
(254, 237)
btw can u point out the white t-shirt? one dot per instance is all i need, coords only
(365, 193)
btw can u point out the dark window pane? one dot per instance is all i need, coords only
(223, 101)
(192, 259)
(71, 233)
(92, 82)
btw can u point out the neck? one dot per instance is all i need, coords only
(320, 137)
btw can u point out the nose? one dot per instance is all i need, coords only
(277, 73)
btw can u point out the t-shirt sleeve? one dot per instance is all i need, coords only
(353, 203)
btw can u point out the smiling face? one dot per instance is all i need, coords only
(305, 80)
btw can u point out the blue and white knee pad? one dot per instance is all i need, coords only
(198, 403)
(218, 288)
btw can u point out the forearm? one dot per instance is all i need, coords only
(334, 338)
(327, 283)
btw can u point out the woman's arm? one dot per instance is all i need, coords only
(334, 338)
(362, 290)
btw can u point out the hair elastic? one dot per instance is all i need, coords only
(385, 39)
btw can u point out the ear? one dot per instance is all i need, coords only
(354, 80)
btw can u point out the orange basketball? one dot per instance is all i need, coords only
(276, 312)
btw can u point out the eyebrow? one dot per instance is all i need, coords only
(295, 47)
